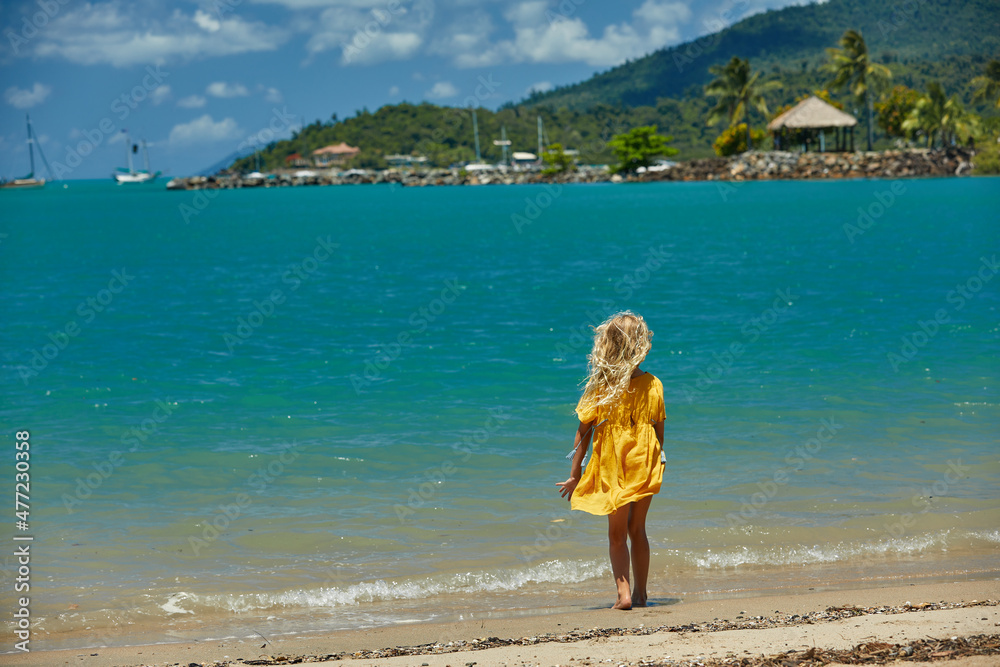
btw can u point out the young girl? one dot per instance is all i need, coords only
(622, 408)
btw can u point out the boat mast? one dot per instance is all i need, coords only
(475, 131)
(504, 143)
(128, 151)
(145, 156)
(539, 136)
(31, 146)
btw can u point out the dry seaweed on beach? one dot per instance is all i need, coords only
(869, 653)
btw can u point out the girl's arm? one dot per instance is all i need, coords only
(658, 429)
(581, 445)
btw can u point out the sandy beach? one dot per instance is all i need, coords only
(958, 622)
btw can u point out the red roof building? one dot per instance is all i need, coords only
(296, 160)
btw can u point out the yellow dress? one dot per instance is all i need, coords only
(625, 463)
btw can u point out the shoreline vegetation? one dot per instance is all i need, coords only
(749, 166)
(857, 95)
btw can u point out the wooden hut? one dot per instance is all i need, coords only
(808, 121)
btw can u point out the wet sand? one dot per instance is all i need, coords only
(945, 621)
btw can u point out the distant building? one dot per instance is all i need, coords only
(406, 160)
(808, 122)
(334, 154)
(296, 160)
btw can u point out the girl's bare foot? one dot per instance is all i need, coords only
(638, 599)
(623, 603)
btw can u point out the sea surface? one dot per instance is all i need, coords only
(306, 409)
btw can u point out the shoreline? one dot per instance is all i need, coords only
(751, 166)
(828, 620)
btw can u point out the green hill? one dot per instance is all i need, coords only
(919, 40)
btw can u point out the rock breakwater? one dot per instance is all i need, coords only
(752, 166)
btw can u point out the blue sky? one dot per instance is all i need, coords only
(199, 80)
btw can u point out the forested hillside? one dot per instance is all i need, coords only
(919, 40)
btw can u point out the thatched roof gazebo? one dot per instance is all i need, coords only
(813, 116)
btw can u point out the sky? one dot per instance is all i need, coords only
(200, 80)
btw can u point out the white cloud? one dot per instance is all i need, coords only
(442, 90)
(124, 34)
(191, 102)
(540, 87)
(207, 22)
(225, 90)
(303, 4)
(160, 94)
(544, 35)
(662, 13)
(204, 129)
(272, 95)
(393, 91)
(466, 37)
(25, 99)
(367, 32)
(387, 46)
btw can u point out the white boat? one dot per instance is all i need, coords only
(28, 181)
(130, 175)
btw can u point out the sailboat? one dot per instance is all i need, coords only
(504, 144)
(28, 181)
(478, 165)
(130, 175)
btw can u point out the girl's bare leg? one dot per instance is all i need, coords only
(640, 548)
(617, 536)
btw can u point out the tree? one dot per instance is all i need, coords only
(557, 160)
(737, 89)
(938, 116)
(851, 67)
(367, 159)
(988, 84)
(894, 109)
(638, 147)
(733, 140)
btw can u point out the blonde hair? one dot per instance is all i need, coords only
(621, 342)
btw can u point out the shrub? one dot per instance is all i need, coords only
(734, 140)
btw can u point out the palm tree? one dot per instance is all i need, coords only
(928, 113)
(852, 67)
(737, 89)
(939, 116)
(988, 85)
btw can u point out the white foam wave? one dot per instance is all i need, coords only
(988, 535)
(819, 553)
(172, 605)
(504, 579)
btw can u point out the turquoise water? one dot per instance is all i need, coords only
(315, 408)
